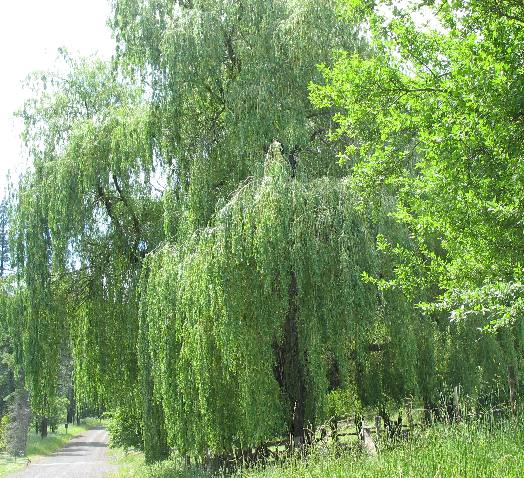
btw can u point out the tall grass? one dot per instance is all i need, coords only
(453, 451)
(476, 450)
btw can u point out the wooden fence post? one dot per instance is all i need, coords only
(378, 426)
(456, 403)
(408, 408)
(512, 383)
(367, 441)
(333, 425)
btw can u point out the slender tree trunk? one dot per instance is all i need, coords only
(512, 384)
(294, 383)
(70, 413)
(72, 407)
(43, 427)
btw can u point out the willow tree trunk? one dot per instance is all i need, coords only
(293, 369)
(18, 424)
(71, 408)
(43, 427)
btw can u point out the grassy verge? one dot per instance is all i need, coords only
(37, 447)
(130, 464)
(469, 450)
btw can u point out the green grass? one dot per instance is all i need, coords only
(130, 464)
(468, 450)
(37, 447)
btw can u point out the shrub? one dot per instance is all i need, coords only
(125, 429)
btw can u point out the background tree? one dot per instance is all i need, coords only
(85, 216)
(434, 115)
(434, 118)
(4, 238)
(14, 406)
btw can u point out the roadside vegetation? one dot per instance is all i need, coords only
(472, 449)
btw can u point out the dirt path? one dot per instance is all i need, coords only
(85, 456)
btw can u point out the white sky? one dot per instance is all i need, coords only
(31, 31)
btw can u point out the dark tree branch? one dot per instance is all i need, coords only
(369, 349)
(137, 229)
(134, 253)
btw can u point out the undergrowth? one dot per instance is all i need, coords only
(476, 450)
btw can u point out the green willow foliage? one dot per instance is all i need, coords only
(228, 78)
(248, 318)
(85, 216)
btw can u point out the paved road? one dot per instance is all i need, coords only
(85, 456)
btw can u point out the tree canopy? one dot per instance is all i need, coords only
(434, 114)
(222, 251)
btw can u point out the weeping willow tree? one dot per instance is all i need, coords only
(85, 214)
(14, 410)
(254, 319)
(227, 78)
